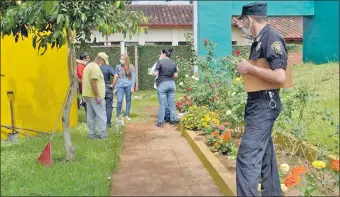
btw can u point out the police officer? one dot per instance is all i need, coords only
(108, 73)
(256, 155)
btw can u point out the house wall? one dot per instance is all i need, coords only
(39, 84)
(171, 35)
(166, 34)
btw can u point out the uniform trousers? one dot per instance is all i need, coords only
(256, 155)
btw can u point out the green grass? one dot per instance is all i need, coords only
(324, 80)
(90, 174)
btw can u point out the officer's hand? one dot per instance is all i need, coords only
(243, 67)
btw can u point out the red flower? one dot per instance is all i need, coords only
(205, 41)
(185, 97)
(178, 104)
(213, 85)
(188, 89)
(238, 52)
(213, 98)
(335, 165)
(298, 170)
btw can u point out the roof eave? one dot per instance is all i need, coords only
(166, 25)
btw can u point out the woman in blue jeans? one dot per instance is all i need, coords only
(166, 69)
(124, 82)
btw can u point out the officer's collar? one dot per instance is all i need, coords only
(263, 30)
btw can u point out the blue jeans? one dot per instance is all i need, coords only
(166, 97)
(109, 101)
(95, 112)
(121, 91)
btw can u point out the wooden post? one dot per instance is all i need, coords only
(136, 66)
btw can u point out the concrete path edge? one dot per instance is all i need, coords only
(223, 179)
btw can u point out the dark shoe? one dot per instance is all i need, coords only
(174, 122)
(160, 125)
(102, 137)
(167, 120)
(108, 125)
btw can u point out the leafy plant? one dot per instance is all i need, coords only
(56, 23)
(320, 180)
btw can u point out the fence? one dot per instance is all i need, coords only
(147, 55)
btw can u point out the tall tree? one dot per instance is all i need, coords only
(57, 23)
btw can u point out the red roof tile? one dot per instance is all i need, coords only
(288, 27)
(182, 15)
(166, 15)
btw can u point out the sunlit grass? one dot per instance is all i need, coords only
(324, 80)
(90, 174)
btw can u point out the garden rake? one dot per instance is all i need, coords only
(45, 157)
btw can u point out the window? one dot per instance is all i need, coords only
(182, 43)
(115, 43)
(158, 43)
(234, 42)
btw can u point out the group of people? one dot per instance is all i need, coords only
(98, 82)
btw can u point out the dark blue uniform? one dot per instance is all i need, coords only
(108, 73)
(256, 155)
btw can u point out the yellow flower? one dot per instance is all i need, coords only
(318, 164)
(238, 79)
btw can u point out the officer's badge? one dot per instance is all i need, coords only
(277, 47)
(258, 46)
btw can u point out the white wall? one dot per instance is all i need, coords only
(167, 34)
(173, 35)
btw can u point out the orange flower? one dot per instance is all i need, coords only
(227, 136)
(292, 180)
(335, 165)
(215, 133)
(298, 170)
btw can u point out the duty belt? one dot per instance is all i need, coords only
(266, 94)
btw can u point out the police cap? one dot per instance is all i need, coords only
(254, 9)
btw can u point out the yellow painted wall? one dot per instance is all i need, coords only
(39, 84)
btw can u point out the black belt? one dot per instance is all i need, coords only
(263, 93)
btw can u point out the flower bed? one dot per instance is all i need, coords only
(214, 109)
(298, 175)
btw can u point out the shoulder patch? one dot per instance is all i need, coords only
(277, 47)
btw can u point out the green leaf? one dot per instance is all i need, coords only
(117, 4)
(48, 6)
(60, 18)
(34, 42)
(83, 17)
(67, 22)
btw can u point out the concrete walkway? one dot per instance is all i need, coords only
(159, 162)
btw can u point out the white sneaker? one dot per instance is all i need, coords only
(127, 118)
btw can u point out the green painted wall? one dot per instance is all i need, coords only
(214, 23)
(321, 33)
(280, 8)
